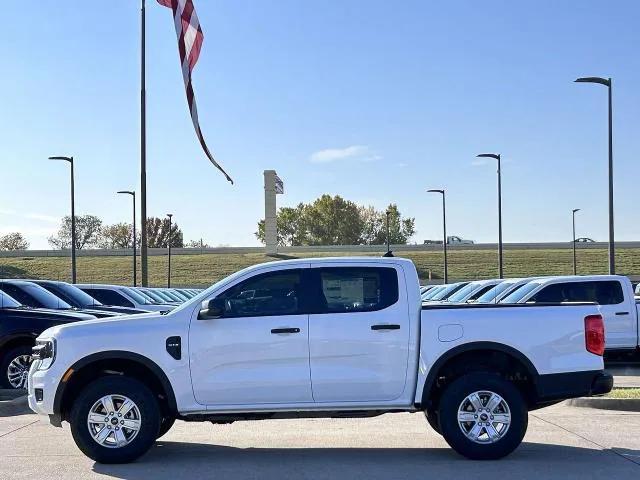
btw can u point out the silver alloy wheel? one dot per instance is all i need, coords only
(18, 371)
(484, 417)
(114, 421)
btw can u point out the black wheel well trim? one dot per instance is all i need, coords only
(118, 355)
(470, 347)
(17, 338)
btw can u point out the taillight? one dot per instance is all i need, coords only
(594, 334)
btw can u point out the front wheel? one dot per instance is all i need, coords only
(115, 419)
(482, 416)
(14, 367)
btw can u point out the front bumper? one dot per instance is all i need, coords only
(561, 386)
(46, 381)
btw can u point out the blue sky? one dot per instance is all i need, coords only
(374, 100)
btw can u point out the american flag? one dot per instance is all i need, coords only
(190, 38)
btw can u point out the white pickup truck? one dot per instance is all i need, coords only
(343, 337)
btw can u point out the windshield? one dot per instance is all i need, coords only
(493, 293)
(72, 295)
(137, 296)
(462, 294)
(519, 293)
(448, 290)
(429, 295)
(7, 302)
(43, 297)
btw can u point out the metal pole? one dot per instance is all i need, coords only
(388, 248)
(73, 226)
(575, 269)
(500, 261)
(169, 244)
(143, 151)
(612, 254)
(444, 241)
(134, 241)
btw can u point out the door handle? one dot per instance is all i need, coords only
(285, 330)
(385, 327)
(622, 313)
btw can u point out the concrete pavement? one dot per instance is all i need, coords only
(562, 442)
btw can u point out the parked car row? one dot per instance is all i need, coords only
(613, 293)
(28, 307)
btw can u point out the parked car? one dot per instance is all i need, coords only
(501, 290)
(613, 293)
(585, 240)
(471, 291)
(35, 296)
(122, 296)
(317, 338)
(19, 327)
(79, 299)
(447, 291)
(454, 240)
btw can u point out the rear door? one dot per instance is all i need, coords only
(358, 333)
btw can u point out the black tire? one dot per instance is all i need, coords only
(6, 359)
(452, 399)
(165, 425)
(432, 419)
(149, 419)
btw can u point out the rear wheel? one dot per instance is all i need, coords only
(115, 419)
(14, 367)
(483, 416)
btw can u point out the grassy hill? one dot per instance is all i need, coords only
(204, 269)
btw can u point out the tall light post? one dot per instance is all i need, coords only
(500, 262)
(169, 244)
(607, 83)
(573, 223)
(133, 194)
(73, 217)
(444, 233)
(388, 253)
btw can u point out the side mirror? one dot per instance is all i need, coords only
(211, 309)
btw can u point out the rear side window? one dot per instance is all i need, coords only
(357, 289)
(607, 292)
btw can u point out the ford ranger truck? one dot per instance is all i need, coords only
(345, 337)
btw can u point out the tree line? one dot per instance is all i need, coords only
(335, 221)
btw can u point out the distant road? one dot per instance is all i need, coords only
(336, 248)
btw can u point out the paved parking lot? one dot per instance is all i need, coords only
(562, 442)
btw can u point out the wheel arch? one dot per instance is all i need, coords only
(458, 353)
(120, 360)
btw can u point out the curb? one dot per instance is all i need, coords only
(13, 402)
(620, 404)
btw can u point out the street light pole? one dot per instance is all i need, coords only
(444, 233)
(133, 194)
(73, 217)
(573, 213)
(169, 243)
(388, 245)
(500, 257)
(608, 83)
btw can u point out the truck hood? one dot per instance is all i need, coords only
(125, 323)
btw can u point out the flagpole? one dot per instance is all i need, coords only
(143, 151)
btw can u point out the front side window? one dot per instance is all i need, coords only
(355, 289)
(273, 293)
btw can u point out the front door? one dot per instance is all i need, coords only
(257, 352)
(359, 337)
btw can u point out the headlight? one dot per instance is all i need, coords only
(44, 353)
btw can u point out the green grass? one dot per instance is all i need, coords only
(204, 269)
(624, 393)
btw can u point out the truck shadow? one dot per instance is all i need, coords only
(171, 460)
